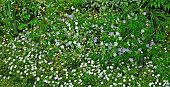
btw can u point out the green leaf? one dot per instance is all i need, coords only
(22, 26)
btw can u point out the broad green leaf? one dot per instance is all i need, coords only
(22, 26)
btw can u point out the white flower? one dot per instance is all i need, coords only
(115, 44)
(72, 8)
(75, 42)
(62, 46)
(106, 44)
(77, 10)
(114, 54)
(76, 27)
(76, 23)
(124, 21)
(150, 84)
(117, 33)
(142, 31)
(79, 45)
(38, 79)
(101, 43)
(120, 38)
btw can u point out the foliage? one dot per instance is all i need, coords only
(83, 43)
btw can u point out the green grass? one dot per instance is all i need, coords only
(67, 43)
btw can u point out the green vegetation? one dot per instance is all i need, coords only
(84, 43)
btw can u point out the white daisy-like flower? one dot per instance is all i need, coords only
(74, 42)
(72, 8)
(76, 27)
(115, 44)
(77, 10)
(124, 21)
(117, 33)
(38, 79)
(142, 31)
(79, 45)
(62, 46)
(76, 23)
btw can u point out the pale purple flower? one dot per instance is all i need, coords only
(139, 40)
(110, 45)
(143, 38)
(147, 45)
(70, 16)
(62, 19)
(120, 53)
(144, 13)
(101, 27)
(119, 49)
(57, 33)
(131, 59)
(95, 39)
(44, 35)
(67, 22)
(111, 33)
(125, 50)
(152, 43)
(122, 50)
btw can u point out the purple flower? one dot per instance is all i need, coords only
(147, 45)
(122, 50)
(120, 53)
(70, 16)
(111, 33)
(62, 19)
(67, 22)
(110, 45)
(144, 13)
(152, 43)
(131, 59)
(101, 27)
(95, 39)
(119, 49)
(57, 33)
(143, 38)
(139, 40)
(125, 50)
